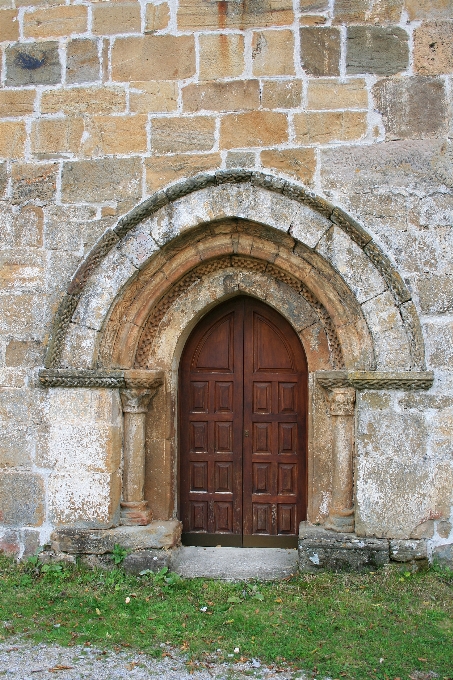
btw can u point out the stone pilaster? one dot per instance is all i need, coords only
(341, 405)
(141, 386)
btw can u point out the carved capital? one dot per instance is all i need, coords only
(341, 401)
(136, 400)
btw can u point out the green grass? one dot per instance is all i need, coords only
(389, 624)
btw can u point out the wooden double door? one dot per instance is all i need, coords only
(243, 406)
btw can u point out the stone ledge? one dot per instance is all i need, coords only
(376, 380)
(164, 534)
(62, 377)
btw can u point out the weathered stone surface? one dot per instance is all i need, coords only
(116, 17)
(324, 550)
(9, 25)
(32, 181)
(157, 17)
(109, 178)
(160, 57)
(12, 139)
(443, 555)
(140, 560)
(273, 53)
(92, 100)
(444, 528)
(432, 48)
(328, 94)
(57, 136)
(299, 163)
(54, 22)
(9, 542)
(161, 170)
(407, 551)
(21, 499)
(320, 50)
(240, 159)
(259, 128)
(115, 135)
(176, 135)
(157, 534)
(376, 49)
(362, 11)
(221, 56)
(439, 343)
(229, 96)
(412, 108)
(281, 94)
(195, 16)
(423, 530)
(428, 9)
(82, 61)
(329, 126)
(154, 96)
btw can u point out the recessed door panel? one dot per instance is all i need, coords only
(243, 395)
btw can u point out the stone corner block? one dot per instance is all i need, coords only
(443, 555)
(154, 560)
(408, 550)
(324, 550)
(156, 535)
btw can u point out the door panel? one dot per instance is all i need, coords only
(243, 385)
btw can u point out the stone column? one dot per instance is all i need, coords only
(141, 386)
(341, 515)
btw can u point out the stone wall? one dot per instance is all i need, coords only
(104, 103)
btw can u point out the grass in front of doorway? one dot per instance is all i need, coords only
(387, 625)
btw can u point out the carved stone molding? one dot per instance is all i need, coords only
(376, 380)
(108, 379)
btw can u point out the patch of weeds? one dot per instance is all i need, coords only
(119, 553)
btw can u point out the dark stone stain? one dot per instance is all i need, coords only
(27, 61)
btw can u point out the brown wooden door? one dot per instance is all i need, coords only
(243, 403)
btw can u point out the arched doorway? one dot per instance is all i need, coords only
(243, 428)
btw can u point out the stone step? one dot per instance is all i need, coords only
(234, 564)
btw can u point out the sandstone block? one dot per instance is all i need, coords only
(116, 17)
(24, 353)
(139, 561)
(81, 498)
(16, 103)
(221, 56)
(3, 177)
(116, 135)
(331, 94)
(27, 227)
(82, 61)
(21, 499)
(157, 534)
(428, 9)
(194, 15)
(240, 159)
(12, 139)
(432, 47)
(33, 64)
(273, 53)
(153, 57)
(376, 49)
(439, 344)
(157, 17)
(299, 163)
(31, 542)
(443, 555)
(311, 128)
(54, 22)
(444, 528)
(9, 542)
(102, 179)
(34, 181)
(16, 445)
(423, 530)
(175, 135)
(278, 94)
(258, 128)
(80, 100)
(313, 5)
(235, 95)
(56, 136)
(320, 50)
(312, 20)
(412, 108)
(9, 25)
(366, 11)
(155, 96)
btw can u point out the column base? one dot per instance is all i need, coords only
(135, 513)
(341, 522)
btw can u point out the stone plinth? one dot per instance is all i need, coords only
(326, 550)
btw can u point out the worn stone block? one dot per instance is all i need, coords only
(444, 528)
(312, 20)
(90, 100)
(367, 11)
(9, 25)
(313, 5)
(407, 550)
(278, 94)
(235, 95)
(432, 47)
(412, 108)
(153, 57)
(439, 343)
(258, 128)
(155, 96)
(192, 15)
(273, 53)
(9, 542)
(16, 103)
(156, 535)
(12, 139)
(34, 181)
(221, 56)
(33, 64)
(390, 340)
(16, 444)
(443, 555)
(176, 135)
(115, 135)
(321, 128)
(101, 179)
(299, 163)
(428, 9)
(21, 499)
(156, 17)
(161, 170)
(376, 49)
(116, 17)
(334, 94)
(323, 550)
(54, 22)
(23, 313)
(139, 561)
(240, 159)
(85, 499)
(82, 61)
(320, 50)
(56, 136)
(423, 530)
